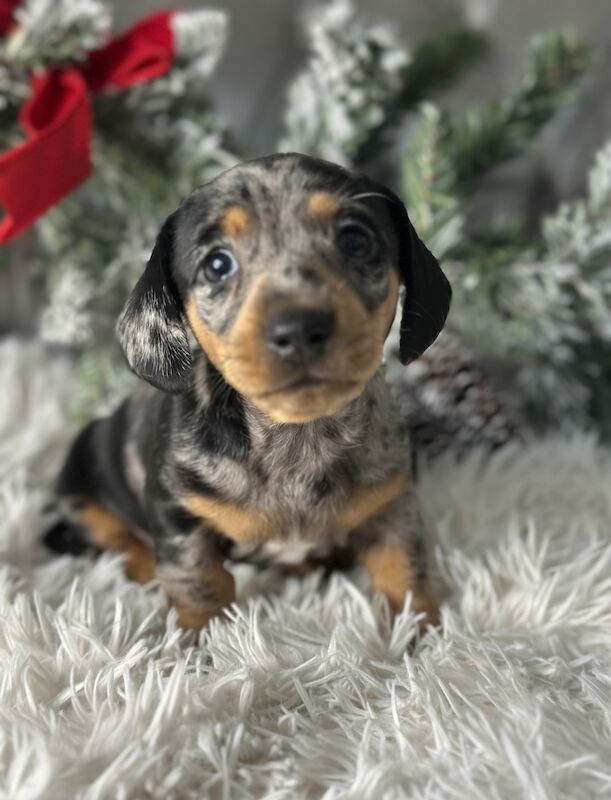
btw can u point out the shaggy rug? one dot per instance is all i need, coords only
(308, 691)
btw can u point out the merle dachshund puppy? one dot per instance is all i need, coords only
(264, 430)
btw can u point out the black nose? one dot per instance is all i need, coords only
(299, 336)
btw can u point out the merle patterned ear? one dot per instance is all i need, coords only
(151, 327)
(427, 290)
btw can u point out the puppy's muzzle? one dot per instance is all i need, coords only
(299, 337)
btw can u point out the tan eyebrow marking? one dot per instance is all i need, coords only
(323, 205)
(236, 221)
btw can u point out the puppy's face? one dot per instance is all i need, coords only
(290, 284)
(287, 270)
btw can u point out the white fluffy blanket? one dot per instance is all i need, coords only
(309, 692)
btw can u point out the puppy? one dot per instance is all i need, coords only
(265, 430)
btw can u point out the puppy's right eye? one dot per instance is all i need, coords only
(219, 265)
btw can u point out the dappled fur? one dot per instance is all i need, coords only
(236, 453)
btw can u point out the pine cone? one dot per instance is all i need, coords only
(451, 403)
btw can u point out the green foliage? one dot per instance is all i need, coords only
(447, 156)
(490, 135)
(539, 307)
(437, 62)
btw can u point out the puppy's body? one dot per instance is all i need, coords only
(271, 447)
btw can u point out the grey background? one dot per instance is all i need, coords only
(266, 48)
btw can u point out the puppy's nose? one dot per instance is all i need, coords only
(299, 336)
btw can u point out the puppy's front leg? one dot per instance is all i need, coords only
(189, 566)
(391, 548)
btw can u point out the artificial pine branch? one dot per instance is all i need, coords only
(495, 133)
(429, 184)
(360, 81)
(436, 62)
(446, 156)
(56, 31)
(544, 312)
(541, 309)
(343, 92)
(14, 90)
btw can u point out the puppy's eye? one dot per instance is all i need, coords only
(355, 241)
(219, 265)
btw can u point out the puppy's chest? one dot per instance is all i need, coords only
(287, 527)
(301, 486)
(303, 508)
(299, 492)
(294, 510)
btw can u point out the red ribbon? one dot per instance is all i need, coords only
(6, 15)
(57, 118)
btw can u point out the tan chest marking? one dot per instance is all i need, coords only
(247, 525)
(233, 520)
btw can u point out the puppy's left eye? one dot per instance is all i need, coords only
(219, 265)
(355, 241)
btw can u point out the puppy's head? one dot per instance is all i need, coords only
(287, 271)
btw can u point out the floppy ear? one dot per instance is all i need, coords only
(151, 328)
(427, 290)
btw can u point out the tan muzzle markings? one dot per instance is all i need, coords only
(352, 357)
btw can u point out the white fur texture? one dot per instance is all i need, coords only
(310, 692)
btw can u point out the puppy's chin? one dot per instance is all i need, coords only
(306, 404)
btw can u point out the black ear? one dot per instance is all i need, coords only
(151, 328)
(427, 290)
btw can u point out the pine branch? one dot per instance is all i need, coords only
(542, 309)
(360, 80)
(14, 90)
(436, 62)
(56, 31)
(429, 184)
(344, 89)
(545, 310)
(495, 133)
(446, 157)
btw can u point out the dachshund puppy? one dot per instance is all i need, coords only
(265, 430)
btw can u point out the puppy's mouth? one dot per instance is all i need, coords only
(307, 397)
(308, 381)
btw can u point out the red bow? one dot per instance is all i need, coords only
(6, 15)
(57, 118)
